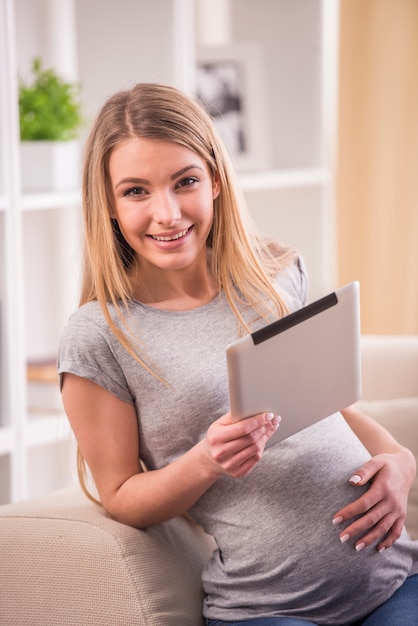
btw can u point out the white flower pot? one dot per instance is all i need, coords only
(50, 165)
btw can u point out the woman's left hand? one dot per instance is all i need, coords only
(382, 508)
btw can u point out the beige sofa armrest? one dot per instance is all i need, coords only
(64, 561)
(389, 366)
(390, 396)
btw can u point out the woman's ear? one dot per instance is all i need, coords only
(216, 185)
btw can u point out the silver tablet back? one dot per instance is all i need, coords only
(303, 367)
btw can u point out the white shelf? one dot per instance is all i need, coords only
(49, 429)
(283, 179)
(6, 440)
(46, 200)
(42, 430)
(50, 200)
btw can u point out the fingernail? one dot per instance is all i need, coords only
(355, 479)
(381, 550)
(269, 416)
(360, 547)
(337, 520)
(345, 538)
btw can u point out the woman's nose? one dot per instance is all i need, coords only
(166, 209)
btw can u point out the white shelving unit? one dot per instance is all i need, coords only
(35, 442)
(291, 198)
(293, 46)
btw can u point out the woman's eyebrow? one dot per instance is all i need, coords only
(143, 181)
(132, 181)
(185, 169)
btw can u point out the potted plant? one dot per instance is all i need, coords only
(50, 115)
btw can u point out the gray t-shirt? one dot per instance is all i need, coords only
(278, 552)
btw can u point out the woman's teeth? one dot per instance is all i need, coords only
(171, 238)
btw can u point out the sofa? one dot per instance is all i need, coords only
(63, 561)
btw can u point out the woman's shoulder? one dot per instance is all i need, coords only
(290, 276)
(89, 349)
(86, 326)
(89, 314)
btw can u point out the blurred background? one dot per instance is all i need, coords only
(376, 200)
(318, 103)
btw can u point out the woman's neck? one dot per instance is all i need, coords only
(178, 290)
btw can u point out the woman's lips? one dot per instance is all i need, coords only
(172, 236)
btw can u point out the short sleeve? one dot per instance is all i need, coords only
(86, 349)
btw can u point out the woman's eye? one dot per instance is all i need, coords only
(187, 182)
(134, 191)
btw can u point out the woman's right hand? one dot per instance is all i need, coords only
(236, 448)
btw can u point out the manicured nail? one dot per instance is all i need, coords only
(345, 538)
(360, 546)
(337, 520)
(269, 416)
(275, 423)
(355, 479)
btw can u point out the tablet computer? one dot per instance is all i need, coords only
(303, 367)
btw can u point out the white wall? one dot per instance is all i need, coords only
(289, 34)
(117, 47)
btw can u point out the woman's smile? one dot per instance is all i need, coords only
(178, 236)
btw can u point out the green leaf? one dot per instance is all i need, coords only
(49, 107)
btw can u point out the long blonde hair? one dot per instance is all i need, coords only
(243, 264)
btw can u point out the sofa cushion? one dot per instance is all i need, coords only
(400, 417)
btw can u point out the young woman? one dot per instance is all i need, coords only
(173, 272)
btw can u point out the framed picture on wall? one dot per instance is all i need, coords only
(229, 82)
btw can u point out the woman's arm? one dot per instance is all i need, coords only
(391, 472)
(106, 430)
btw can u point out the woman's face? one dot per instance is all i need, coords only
(163, 201)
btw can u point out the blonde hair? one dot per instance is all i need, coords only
(243, 264)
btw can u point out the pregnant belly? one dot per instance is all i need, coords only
(276, 538)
